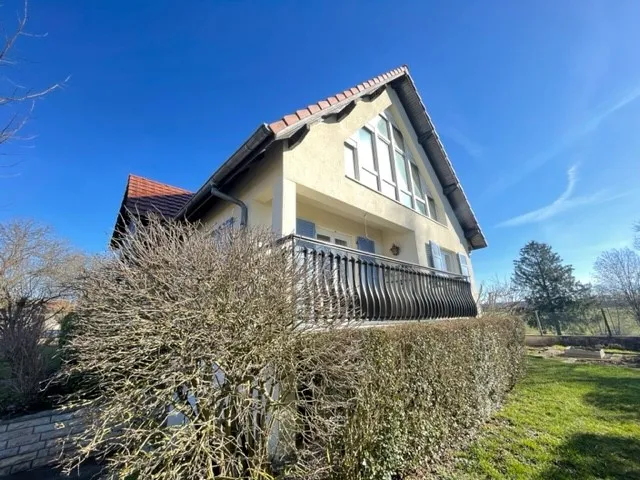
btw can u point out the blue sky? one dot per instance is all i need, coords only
(538, 104)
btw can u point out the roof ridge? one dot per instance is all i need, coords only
(292, 118)
(149, 180)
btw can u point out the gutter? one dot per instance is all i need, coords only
(244, 211)
(262, 137)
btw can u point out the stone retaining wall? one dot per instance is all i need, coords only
(35, 440)
(628, 343)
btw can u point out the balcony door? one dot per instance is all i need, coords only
(337, 238)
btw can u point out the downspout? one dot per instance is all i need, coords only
(244, 211)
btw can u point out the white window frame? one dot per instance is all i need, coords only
(333, 235)
(409, 162)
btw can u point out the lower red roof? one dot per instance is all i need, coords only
(144, 195)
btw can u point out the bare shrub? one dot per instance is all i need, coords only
(212, 357)
(36, 270)
(500, 297)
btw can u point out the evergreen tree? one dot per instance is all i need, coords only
(548, 285)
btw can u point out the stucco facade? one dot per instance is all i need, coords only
(308, 181)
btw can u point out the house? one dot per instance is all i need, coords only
(359, 181)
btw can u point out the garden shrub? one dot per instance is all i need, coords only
(205, 347)
(423, 390)
(216, 358)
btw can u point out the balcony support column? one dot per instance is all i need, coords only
(284, 207)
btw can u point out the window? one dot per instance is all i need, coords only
(377, 157)
(350, 160)
(432, 208)
(418, 189)
(446, 260)
(329, 236)
(366, 160)
(450, 261)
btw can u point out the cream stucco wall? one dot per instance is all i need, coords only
(309, 181)
(255, 188)
(317, 165)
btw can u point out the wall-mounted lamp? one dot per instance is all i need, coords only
(395, 250)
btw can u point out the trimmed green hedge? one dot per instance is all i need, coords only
(423, 390)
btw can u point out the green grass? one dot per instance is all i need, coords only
(564, 421)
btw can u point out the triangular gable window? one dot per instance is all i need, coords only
(377, 156)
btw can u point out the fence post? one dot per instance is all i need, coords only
(539, 324)
(606, 323)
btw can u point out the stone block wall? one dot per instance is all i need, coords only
(35, 440)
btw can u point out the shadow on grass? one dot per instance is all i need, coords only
(612, 389)
(620, 396)
(591, 456)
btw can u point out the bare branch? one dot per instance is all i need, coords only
(617, 273)
(18, 94)
(223, 333)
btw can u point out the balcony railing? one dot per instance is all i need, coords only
(373, 287)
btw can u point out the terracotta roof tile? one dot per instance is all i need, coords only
(303, 113)
(144, 195)
(277, 126)
(289, 120)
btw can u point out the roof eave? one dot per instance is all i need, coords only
(261, 138)
(430, 141)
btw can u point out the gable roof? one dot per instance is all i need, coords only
(143, 196)
(293, 120)
(295, 125)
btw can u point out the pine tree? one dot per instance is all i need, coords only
(549, 285)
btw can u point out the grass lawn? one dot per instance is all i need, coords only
(564, 421)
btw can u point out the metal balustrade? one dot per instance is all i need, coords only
(364, 285)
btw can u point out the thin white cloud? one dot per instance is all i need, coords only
(563, 203)
(473, 148)
(567, 140)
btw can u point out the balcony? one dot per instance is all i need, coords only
(372, 287)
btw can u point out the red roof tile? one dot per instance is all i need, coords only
(293, 118)
(144, 195)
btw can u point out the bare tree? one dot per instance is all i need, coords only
(636, 240)
(617, 272)
(18, 100)
(36, 270)
(500, 296)
(217, 355)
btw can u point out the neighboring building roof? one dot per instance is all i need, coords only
(295, 125)
(143, 196)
